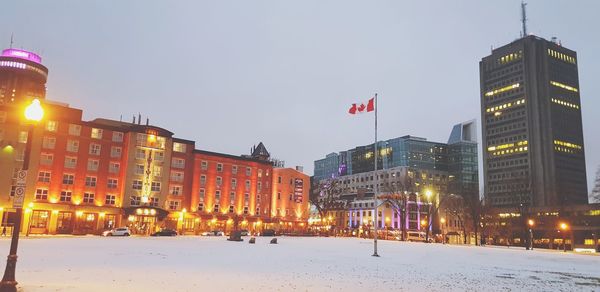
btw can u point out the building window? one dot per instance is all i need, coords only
(112, 183)
(279, 179)
(96, 133)
(39, 219)
(203, 180)
(155, 186)
(93, 164)
(233, 183)
(139, 169)
(74, 130)
(90, 181)
(65, 196)
(135, 200)
(48, 142)
(248, 171)
(259, 186)
(259, 173)
(204, 165)
(95, 149)
(137, 184)
(179, 147)
(115, 152)
(154, 202)
(200, 207)
(219, 167)
(230, 208)
(46, 159)
(217, 195)
(51, 126)
(41, 194)
(110, 200)
(114, 167)
(22, 137)
(70, 162)
(117, 137)
(247, 185)
(201, 195)
(177, 176)
(291, 197)
(88, 198)
(232, 197)
(234, 169)
(219, 181)
(258, 198)
(68, 179)
(245, 209)
(140, 154)
(159, 156)
(175, 190)
(157, 171)
(178, 163)
(173, 205)
(278, 195)
(216, 208)
(73, 146)
(44, 176)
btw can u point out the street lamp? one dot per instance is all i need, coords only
(531, 223)
(33, 114)
(442, 222)
(564, 227)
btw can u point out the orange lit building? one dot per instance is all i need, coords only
(290, 205)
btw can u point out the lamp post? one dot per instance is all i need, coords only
(442, 222)
(33, 114)
(428, 195)
(564, 227)
(530, 223)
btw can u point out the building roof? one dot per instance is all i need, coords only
(244, 158)
(260, 151)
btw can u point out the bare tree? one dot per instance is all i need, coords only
(396, 193)
(326, 197)
(456, 206)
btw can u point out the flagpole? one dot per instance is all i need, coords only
(376, 188)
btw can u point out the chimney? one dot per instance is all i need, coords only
(139, 119)
(133, 119)
(147, 121)
(299, 168)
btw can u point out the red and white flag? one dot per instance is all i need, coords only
(362, 108)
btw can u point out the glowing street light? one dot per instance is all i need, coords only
(531, 223)
(563, 226)
(33, 114)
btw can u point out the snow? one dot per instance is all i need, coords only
(190, 263)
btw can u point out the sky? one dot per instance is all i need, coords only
(230, 74)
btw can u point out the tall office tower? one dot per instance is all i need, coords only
(22, 76)
(533, 153)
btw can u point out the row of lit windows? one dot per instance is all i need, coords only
(567, 144)
(510, 57)
(502, 89)
(564, 86)
(561, 56)
(23, 66)
(510, 151)
(564, 103)
(565, 150)
(507, 146)
(505, 106)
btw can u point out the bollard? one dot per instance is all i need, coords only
(252, 240)
(274, 241)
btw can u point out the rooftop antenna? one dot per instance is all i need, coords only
(11, 40)
(524, 18)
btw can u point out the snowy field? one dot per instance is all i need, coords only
(295, 264)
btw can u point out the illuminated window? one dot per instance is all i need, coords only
(175, 190)
(155, 186)
(96, 133)
(177, 176)
(139, 169)
(216, 208)
(115, 152)
(505, 106)
(157, 171)
(74, 130)
(93, 164)
(179, 147)
(259, 186)
(230, 208)
(140, 154)
(70, 162)
(200, 207)
(51, 126)
(39, 219)
(219, 167)
(232, 197)
(159, 156)
(41, 194)
(247, 185)
(204, 165)
(245, 209)
(564, 86)
(248, 171)
(114, 167)
(217, 195)
(502, 89)
(154, 201)
(22, 137)
(233, 183)
(565, 103)
(135, 200)
(203, 180)
(46, 159)
(201, 193)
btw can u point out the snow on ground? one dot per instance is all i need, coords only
(296, 264)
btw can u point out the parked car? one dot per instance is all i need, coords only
(244, 232)
(213, 233)
(165, 232)
(417, 236)
(121, 231)
(268, 232)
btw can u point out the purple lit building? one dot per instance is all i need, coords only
(22, 76)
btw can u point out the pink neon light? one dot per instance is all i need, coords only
(21, 54)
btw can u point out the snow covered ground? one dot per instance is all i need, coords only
(295, 264)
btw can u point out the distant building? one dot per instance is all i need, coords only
(22, 76)
(532, 130)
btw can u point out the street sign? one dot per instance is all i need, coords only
(21, 177)
(19, 197)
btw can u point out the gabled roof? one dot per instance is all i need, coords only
(260, 151)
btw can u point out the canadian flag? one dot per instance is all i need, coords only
(362, 108)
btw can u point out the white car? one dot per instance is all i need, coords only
(121, 231)
(213, 233)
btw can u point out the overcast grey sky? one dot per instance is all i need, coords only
(229, 74)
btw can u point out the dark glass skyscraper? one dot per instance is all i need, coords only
(533, 150)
